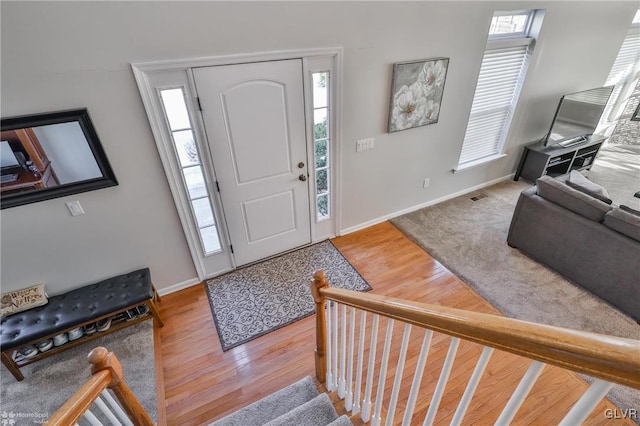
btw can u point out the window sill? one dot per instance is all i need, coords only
(477, 163)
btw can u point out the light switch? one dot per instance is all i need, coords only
(75, 208)
(364, 144)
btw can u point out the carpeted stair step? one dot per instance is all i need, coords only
(272, 406)
(341, 421)
(317, 412)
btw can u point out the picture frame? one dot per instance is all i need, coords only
(416, 93)
(636, 114)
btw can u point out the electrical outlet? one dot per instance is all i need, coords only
(425, 183)
(364, 144)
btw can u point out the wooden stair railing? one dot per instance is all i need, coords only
(607, 359)
(106, 373)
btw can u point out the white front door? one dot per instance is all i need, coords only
(254, 120)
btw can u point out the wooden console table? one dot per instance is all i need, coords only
(538, 160)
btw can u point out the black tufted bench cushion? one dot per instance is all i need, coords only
(75, 308)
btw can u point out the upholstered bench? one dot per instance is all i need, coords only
(77, 308)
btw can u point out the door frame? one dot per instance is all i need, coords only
(313, 60)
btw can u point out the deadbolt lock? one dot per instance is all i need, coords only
(300, 165)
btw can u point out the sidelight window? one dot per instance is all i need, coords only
(193, 178)
(322, 142)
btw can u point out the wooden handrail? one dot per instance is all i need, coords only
(106, 372)
(613, 359)
(73, 409)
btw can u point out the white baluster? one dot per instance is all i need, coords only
(585, 405)
(335, 346)
(343, 353)
(108, 414)
(442, 381)
(472, 386)
(91, 418)
(417, 378)
(116, 408)
(357, 401)
(520, 394)
(375, 421)
(399, 370)
(366, 403)
(352, 333)
(329, 351)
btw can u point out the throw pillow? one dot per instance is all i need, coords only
(578, 181)
(21, 300)
(584, 190)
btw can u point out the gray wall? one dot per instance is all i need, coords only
(63, 55)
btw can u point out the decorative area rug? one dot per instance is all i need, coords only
(49, 383)
(469, 238)
(263, 297)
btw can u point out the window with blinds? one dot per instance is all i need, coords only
(501, 75)
(623, 71)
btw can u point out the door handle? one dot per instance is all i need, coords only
(303, 177)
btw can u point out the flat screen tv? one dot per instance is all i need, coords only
(577, 116)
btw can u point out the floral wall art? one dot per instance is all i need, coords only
(416, 93)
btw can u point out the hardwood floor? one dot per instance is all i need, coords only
(200, 383)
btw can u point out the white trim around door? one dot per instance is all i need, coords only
(156, 79)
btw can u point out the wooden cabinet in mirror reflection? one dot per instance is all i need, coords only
(29, 167)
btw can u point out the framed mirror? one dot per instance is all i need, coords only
(50, 155)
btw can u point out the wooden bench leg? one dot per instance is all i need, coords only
(156, 296)
(154, 311)
(12, 366)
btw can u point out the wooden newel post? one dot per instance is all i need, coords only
(319, 282)
(101, 359)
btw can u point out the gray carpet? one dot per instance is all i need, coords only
(298, 404)
(469, 238)
(50, 382)
(272, 406)
(258, 299)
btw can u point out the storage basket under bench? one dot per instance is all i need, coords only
(111, 298)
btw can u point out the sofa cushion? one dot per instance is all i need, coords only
(577, 180)
(623, 222)
(571, 199)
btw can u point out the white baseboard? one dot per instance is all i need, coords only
(179, 286)
(423, 205)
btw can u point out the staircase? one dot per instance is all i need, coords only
(298, 404)
(382, 388)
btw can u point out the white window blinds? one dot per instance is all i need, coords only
(501, 75)
(622, 71)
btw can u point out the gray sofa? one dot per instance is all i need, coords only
(588, 241)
